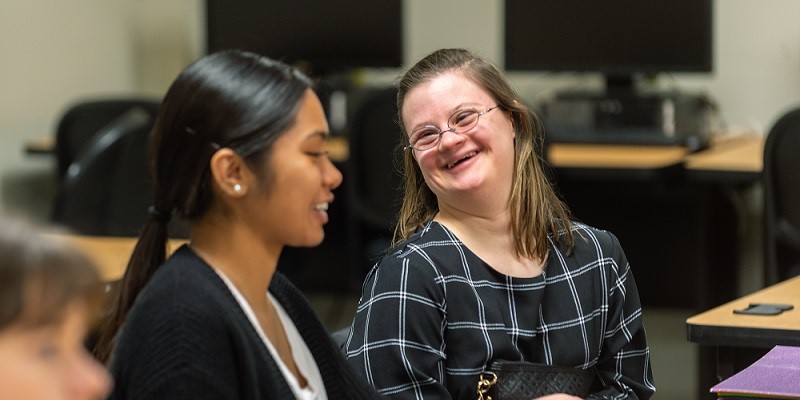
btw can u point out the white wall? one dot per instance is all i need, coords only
(52, 52)
(56, 51)
(757, 61)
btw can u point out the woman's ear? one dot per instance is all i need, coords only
(230, 173)
(510, 117)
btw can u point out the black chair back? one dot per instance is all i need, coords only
(84, 119)
(782, 199)
(107, 189)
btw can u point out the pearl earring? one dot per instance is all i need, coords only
(237, 188)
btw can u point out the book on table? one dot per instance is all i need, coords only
(776, 375)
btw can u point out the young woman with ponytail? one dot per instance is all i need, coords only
(239, 150)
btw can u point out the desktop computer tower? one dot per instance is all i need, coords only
(647, 119)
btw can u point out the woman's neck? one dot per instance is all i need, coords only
(491, 238)
(249, 264)
(233, 250)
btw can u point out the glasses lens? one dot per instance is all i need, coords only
(424, 138)
(464, 120)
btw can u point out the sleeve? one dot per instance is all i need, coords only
(624, 365)
(397, 337)
(173, 350)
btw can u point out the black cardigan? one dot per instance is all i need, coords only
(187, 338)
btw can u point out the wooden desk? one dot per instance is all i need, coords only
(110, 254)
(740, 339)
(721, 327)
(614, 162)
(736, 160)
(744, 153)
(729, 160)
(43, 145)
(338, 149)
(561, 155)
(734, 154)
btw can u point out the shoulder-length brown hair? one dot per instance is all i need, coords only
(40, 276)
(536, 209)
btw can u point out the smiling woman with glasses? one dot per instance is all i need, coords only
(428, 136)
(486, 265)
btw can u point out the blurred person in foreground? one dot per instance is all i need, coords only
(50, 296)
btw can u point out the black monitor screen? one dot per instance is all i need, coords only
(329, 35)
(615, 37)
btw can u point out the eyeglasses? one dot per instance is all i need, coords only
(427, 137)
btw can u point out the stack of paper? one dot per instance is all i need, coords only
(774, 376)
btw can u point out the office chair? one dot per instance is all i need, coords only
(782, 199)
(107, 189)
(373, 177)
(85, 118)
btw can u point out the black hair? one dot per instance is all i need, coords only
(231, 99)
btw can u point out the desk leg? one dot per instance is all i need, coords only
(720, 255)
(718, 363)
(731, 360)
(706, 373)
(719, 250)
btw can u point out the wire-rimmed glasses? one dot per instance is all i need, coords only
(428, 136)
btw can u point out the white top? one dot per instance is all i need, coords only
(315, 390)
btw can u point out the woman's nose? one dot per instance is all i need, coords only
(450, 138)
(332, 176)
(88, 379)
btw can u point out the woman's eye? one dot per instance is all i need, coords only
(463, 117)
(317, 154)
(47, 350)
(425, 134)
(429, 132)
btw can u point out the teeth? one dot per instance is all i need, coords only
(466, 156)
(321, 206)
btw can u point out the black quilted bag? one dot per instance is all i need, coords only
(520, 380)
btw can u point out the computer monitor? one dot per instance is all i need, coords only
(329, 36)
(618, 38)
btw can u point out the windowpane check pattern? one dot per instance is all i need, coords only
(432, 316)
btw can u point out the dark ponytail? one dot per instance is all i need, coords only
(231, 99)
(148, 254)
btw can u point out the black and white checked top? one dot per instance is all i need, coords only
(432, 316)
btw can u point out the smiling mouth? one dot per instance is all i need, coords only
(321, 207)
(466, 157)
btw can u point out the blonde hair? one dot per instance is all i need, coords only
(536, 209)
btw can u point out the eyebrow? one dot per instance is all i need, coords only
(324, 135)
